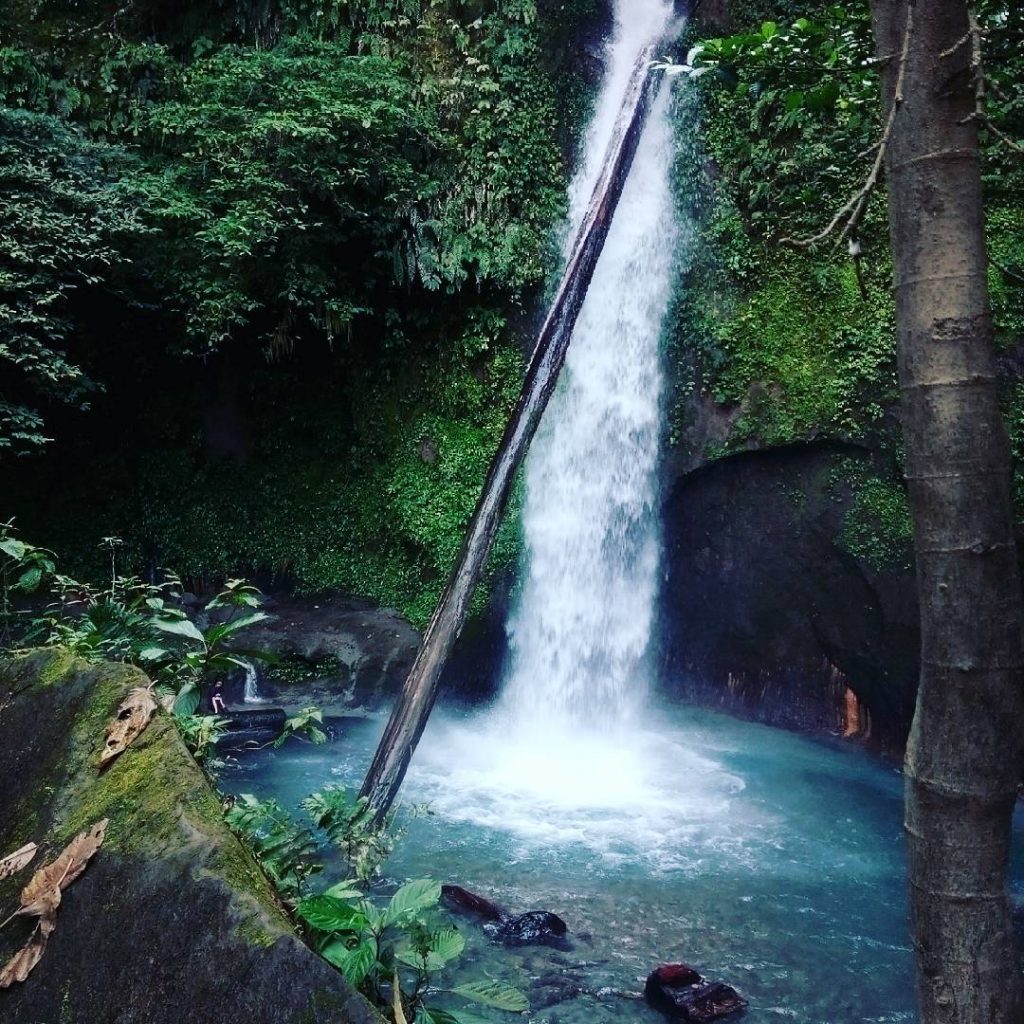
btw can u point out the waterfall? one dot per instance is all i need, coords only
(579, 637)
(251, 694)
(542, 762)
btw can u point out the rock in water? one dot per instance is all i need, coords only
(539, 927)
(680, 992)
(463, 899)
(535, 927)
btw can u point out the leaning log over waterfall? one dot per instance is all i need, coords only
(420, 690)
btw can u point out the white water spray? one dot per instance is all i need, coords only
(579, 638)
(563, 758)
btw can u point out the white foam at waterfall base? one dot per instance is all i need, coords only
(564, 757)
(641, 795)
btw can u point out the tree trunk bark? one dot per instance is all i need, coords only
(964, 755)
(414, 705)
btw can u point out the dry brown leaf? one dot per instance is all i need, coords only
(131, 718)
(20, 965)
(42, 896)
(14, 862)
(37, 897)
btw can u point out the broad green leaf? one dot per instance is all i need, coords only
(493, 993)
(769, 29)
(335, 952)
(412, 897)
(30, 579)
(330, 914)
(242, 622)
(187, 701)
(436, 1015)
(445, 946)
(15, 548)
(153, 653)
(358, 963)
(179, 627)
(343, 891)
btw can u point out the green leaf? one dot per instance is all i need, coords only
(343, 891)
(180, 627)
(15, 548)
(412, 897)
(493, 993)
(769, 29)
(30, 579)
(359, 962)
(187, 701)
(330, 914)
(335, 952)
(435, 1015)
(445, 946)
(153, 653)
(242, 622)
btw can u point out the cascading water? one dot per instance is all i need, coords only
(565, 755)
(579, 637)
(251, 691)
(675, 835)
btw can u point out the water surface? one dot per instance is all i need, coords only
(767, 859)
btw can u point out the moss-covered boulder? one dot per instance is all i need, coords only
(172, 920)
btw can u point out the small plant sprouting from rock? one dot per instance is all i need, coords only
(406, 941)
(24, 568)
(285, 851)
(141, 623)
(304, 723)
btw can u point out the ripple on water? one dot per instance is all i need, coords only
(766, 859)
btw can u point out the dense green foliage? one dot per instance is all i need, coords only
(342, 208)
(61, 223)
(286, 251)
(792, 343)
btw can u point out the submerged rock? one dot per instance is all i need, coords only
(535, 927)
(680, 992)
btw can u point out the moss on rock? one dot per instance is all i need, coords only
(173, 917)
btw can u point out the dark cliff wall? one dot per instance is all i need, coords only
(765, 609)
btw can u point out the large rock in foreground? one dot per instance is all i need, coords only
(172, 921)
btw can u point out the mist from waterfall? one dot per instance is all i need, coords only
(579, 637)
(564, 756)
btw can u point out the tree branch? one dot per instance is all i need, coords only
(855, 209)
(980, 114)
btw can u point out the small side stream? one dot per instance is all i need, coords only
(770, 860)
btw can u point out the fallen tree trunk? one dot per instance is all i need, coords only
(419, 693)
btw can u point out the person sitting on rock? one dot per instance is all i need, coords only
(217, 700)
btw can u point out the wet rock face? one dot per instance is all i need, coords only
(681, 993)
(535, 927)
(765, 614)
(348, 652)
(172, 920)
